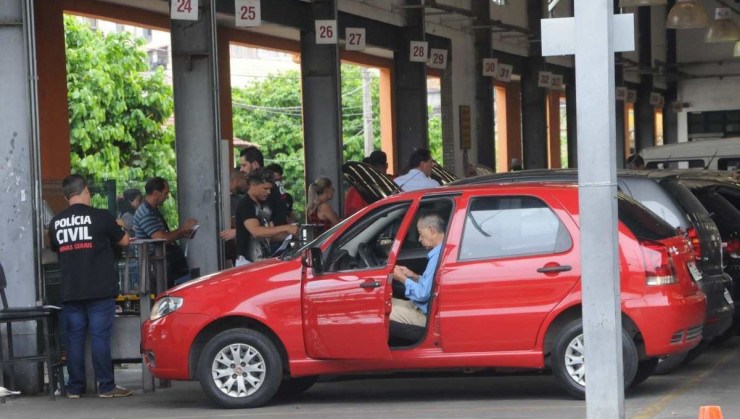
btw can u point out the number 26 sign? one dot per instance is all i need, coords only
(184, 9)
(248, 13)
(326, 31)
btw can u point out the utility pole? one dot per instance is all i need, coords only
(367, 110)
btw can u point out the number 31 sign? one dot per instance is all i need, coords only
(248, 13)
(184, 9)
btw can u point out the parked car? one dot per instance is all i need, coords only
(715, 154)
(507, 293)
(675, 204)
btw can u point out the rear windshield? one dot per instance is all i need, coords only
(644, 224)
(686, 200)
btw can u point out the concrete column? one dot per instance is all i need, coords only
(534, 104)
(485, 137)
(19, 172)
(644, 112)
(322, 113)
(570, 108)
(197, 132)
(670, 118)
(410, 88)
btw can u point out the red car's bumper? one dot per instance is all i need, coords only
(669, 323)
(166, 343)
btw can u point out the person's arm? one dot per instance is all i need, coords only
(326, 212)
(115, 232)
(256, 230)
(124, 240)
(183, 230)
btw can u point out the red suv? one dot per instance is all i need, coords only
(506, 293)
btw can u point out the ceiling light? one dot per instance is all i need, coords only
(722, 28)
(637, 3)
(737, 49)
(687, 14)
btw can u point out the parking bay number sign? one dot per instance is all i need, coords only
(248, 13)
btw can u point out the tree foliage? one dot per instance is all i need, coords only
(268, 113)
(117, 109)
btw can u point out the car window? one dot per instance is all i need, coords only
(730, 163)
(497, 227)
(644, 224)
(367, 244)
(677, 164)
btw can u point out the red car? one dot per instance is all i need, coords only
(506, 293)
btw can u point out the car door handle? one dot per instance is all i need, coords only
(370, 284)
(548, 269)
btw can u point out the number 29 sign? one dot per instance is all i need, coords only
(248, 13)
(184, 9)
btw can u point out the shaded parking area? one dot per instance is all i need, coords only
(710, 380)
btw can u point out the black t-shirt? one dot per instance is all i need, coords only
(278, 207)
(250, 247)
(84, 237)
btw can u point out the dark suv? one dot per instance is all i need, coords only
(673, 202)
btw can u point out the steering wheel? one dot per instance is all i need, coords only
(368, 258)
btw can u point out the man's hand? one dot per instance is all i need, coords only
(187, 227)
(406, 272)
(399, 273)
(291, 229)
(227, 235)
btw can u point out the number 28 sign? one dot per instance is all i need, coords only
(184, 9)
(248, 13)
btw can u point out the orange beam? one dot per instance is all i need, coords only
(52, 91)
(387, 118)
(115, 13)
(254, 39)
(514, 122)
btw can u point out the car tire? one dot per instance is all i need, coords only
(295, 386)
(240, 368)
(569, 348)
(645, 369)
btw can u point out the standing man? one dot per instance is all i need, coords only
(420, 168)
(251, 158)
(84, 238)
(149, 223)
(254, 227)
(431, 227)
(237, 189)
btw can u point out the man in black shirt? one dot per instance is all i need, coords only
(84, 237)
(250, 159)
(254, 227)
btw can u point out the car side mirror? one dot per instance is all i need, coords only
(312, 259)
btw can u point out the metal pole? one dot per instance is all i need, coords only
(594, 42)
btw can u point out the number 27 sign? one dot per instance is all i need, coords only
(184, 9)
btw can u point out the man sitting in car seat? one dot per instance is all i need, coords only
(431, 227)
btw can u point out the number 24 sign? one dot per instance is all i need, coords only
(248, 13)
(184, 9)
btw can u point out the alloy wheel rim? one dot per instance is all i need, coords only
(238, 370)
(574, 359)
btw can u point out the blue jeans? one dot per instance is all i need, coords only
(97, 317)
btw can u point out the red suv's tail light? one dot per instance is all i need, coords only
(732, 247)
(693, 236)
(659, 268)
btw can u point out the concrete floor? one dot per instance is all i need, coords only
(710, 380)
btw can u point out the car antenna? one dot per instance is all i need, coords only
(711, 159)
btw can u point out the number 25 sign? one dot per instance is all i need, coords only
(248, 13)
(184, 9)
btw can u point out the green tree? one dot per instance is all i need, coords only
(117, 110)
(268, 113)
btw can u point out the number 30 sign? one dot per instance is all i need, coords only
(184, 9)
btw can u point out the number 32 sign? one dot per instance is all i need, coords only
(248, 13)
(184, 9)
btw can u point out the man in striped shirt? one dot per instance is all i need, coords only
(149, 223)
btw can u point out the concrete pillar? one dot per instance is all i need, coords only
(670, 118)
(322, 114)
(485, 138)
(571, 117)
(197, 133)
(534, 104)
(644, 112)
(19, 226)
(410, 87)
